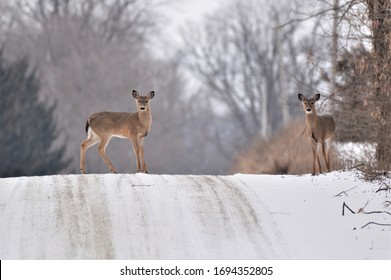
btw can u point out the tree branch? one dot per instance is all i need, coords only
(343, 209)
(344, 192)
(374, 223)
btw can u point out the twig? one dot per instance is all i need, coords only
(372, 175)
(307, 17)
(356, 166)
(375, 212)
(343, 209)
(344, 192)
(361, 210)
(383, 187)
(373, 223)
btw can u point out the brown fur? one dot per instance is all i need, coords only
(320, 130)
(102, 126)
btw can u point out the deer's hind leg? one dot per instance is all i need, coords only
(136, 149)
(326, 153)
(90, 141)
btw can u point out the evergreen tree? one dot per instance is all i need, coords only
(27, 127)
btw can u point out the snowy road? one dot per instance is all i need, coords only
(184, 217)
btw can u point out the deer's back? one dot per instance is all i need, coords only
(112, 122)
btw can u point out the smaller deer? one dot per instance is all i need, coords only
(320, 130)
(102, 126)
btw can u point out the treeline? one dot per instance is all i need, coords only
(233, 81)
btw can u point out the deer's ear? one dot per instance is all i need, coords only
(151, 94)
(301, 97)
(135, 94)
(316, 97)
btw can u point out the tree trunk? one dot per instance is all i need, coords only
(334, 48)
(381, 38)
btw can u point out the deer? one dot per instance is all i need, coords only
(320, 130)
(102, 126)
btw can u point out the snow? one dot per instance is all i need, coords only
(142, 216)
(353, 153)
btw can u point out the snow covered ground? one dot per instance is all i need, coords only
(140, 216)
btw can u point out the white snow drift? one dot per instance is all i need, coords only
(192, 217)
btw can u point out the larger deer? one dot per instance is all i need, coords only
(320, 130)
(102, 126)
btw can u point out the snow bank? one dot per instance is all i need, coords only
(143, 216)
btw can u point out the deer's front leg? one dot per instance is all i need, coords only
(141, 152)
(136, 149)
(314, 157)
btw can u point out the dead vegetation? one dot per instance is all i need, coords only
(286, 152)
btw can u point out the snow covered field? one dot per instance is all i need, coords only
(140, 216)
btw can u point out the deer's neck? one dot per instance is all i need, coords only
(145, 117)
(312, 120)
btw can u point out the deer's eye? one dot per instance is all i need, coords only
(146, 101)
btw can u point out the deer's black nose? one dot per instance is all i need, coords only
(308, 109)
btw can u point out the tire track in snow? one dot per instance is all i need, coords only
(83, 215)
(247, 217)
(136, 216)
(261, 216)
(228, 217)
(209, 206)
(241, 215)
(101, 218)
(34, 220)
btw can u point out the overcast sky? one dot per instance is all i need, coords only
(179, 12)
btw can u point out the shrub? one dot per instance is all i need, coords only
(286, 152)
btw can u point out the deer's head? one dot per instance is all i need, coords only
(309, 103)
(142, 101)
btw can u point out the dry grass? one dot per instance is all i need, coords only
(287, 152)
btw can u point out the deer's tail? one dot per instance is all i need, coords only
(87, 125)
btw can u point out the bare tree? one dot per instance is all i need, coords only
(380, 19)
(352, 90)
(357, 69)
(363, 70)
(90, 55)
(250, 67)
